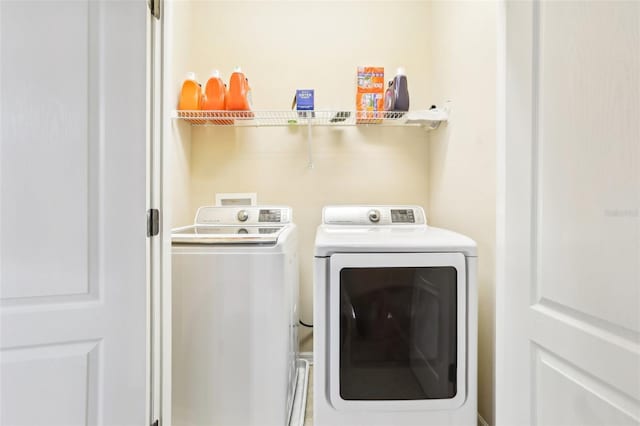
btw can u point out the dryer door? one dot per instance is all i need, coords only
(397, 331)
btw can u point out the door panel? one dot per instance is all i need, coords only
(73, 257)
(375, 349)
(46, 145)
(578, 398)
(588, 160)
(398, 333)
(587, 346)
(31, 384)
(568, 310)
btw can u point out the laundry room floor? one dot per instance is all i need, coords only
(308, 415)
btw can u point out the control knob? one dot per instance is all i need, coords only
(243, 215)
(374, 216)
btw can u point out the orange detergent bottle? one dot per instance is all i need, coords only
(191, 94)
(238, 99)
(214, 93)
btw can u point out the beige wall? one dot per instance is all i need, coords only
(462, 156)
(448, 49)
(311, 44)
(177, 141)
(287, 45)
(351, 166)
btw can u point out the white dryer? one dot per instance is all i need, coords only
(235, 318)
(395, 320)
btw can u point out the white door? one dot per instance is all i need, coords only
(73, 289)
(568, 315)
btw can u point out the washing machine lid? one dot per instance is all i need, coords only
(212, 234)
(385, 229)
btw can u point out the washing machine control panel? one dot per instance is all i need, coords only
(403, 216)
(245, 215)
(270, 215)
(373, 215)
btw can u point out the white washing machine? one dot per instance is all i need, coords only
(395, 320)
(235, 317)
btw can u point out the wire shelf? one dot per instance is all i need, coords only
(428, 118)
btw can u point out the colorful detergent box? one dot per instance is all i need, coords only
(371, 80)
(370, 95)
(304, 99)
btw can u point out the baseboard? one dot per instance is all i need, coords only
(481, 421)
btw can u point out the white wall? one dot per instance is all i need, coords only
(462, 156)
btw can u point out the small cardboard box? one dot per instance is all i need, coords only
(304, 99)
(370, 107)
(370, 95)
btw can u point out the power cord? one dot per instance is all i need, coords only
(305, 325)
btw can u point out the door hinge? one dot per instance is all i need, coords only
(154, 8)
(156, 423)
(153, 222)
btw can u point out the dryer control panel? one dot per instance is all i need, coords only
(374, 215)
(243, 215)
